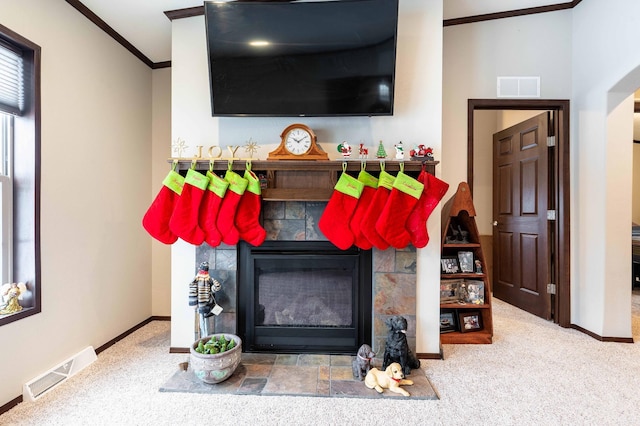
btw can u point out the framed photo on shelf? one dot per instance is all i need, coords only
(469, 321)
(448, 321)
(478, 266)
(475, 292)
(465, 259)
(450, 265)
(450, 291)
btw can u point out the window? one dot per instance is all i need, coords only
(19, 177)
(6, 199)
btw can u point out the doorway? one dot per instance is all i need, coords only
(558, 175)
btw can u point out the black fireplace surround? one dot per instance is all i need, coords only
(303, 297)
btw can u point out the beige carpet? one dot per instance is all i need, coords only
(535, 373)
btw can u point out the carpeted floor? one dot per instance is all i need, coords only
(296, 375)
(534, 373)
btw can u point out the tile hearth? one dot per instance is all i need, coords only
(296, 375)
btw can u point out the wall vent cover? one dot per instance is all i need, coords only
(44, 383)
(518, 87)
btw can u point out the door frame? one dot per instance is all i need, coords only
(561, 305)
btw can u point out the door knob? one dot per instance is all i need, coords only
(495, 223)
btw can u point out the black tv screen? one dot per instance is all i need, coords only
(320, 58)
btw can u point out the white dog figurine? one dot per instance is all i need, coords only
(391, 378)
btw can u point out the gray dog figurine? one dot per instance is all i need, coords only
(362, 362)
(396, 349)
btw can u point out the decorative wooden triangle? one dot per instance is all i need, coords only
(460, 201)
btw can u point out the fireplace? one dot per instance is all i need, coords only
(303, 297)
(392, 282)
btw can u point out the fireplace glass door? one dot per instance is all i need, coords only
(304, 297)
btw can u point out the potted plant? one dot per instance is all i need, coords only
(214, 358)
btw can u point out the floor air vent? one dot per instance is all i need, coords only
(52, 378)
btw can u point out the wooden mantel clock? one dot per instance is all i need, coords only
(298, 142)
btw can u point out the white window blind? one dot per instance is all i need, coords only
(11, 81)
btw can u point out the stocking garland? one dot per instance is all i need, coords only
(184, 220)
(368, 227)
(335, 220)
(211, 203)
(402, 199)
(156, 219)
(226, 215)
(368, 192)
(246, 219)
(416, 225)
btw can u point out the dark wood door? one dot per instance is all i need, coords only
(520, 203)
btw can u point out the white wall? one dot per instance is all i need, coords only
(605, 45)
(635, 210)
(588, 58)
(476, 54)
(96, 140)
(417, 119)
(160, 153)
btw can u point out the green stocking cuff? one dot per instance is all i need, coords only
(174, 181)
(196, 179)
(237, 183)
(217, 185)
(386, 180)
(408, 185)
(368, 179)
(349, 185)
(253, 182)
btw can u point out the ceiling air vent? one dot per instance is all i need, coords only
(518, 87)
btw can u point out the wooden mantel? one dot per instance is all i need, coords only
(289, 180)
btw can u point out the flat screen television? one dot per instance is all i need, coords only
(302, 58)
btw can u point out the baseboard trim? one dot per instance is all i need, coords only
(426, 355)
(9, 405)
(601, 338)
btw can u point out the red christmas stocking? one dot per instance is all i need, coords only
(249, 212)
(156, 219)
(211, 202)
(434, 190)
(403, 198)
(184, 220)
(368, 192)
(227, 214)
(368, 225)
(334, 222)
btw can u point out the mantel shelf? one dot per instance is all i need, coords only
(353, 165)
(293, 180)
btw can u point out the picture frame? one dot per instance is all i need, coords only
(474, 292)
(448, 321)
(469, 321)
(465, 260)
(450, 291)
(450, 265)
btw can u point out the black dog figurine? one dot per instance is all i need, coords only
(396, 348)
(362, 362)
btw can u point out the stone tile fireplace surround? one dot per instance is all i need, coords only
(394, 271)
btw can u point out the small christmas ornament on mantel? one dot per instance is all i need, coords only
(345, 149)
(381, 153)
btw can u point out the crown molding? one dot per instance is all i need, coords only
(80, 7)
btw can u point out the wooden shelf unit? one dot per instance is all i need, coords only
(459, 209)
(291, 180)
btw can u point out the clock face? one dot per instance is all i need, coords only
(297, 141)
